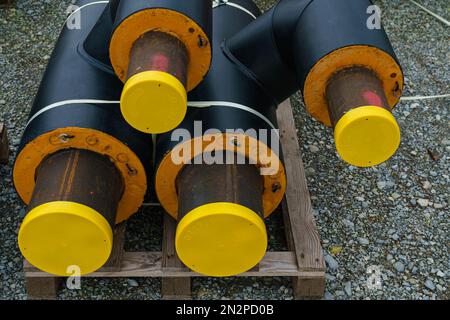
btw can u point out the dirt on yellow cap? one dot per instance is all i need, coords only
(367, 136)
(64, 237)
(221, 239)
(153, 102)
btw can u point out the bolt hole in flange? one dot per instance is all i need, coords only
(202, 42)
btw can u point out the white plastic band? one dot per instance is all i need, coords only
(86, 5)
(195, 104)
(206, 104)
(66, 102)
(425, 97)
(235, 5)
(431, 13)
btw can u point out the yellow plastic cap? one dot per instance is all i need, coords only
(153, 102)
(64, 237)
(221, 239)
(367, 136)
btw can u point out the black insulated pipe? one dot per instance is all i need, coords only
(295, 34)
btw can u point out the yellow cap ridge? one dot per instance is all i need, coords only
(221, 239)
(58, 235)
(153, 102)
(367, 136)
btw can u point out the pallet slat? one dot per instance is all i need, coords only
(149, 264)
(305, 237)
(4, 145)
(115, 260)
(5, 3)
(301, 230)
(173, 287)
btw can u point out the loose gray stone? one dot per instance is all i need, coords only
(313, 148)
(430, 285)
(331, 262)
(22, 213)
(381, 185)
(395, 195)
(329, 277)
(440, 274)
(348, 288)
(328, 296)
(132, 283)
(363, 241)
(340, 293)
(423, 202)
(426, 185)
(399, 266)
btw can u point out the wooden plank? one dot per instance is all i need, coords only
(305, 238)
(305, 287)
(170, 257)
(149, 264)
(42, 288)
(173, 288)
(115, 259)
(301, 231)
(5, 3)
(309, 287)
(4, 145)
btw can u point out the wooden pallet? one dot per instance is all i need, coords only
(4, 145)
(5, 3)
(303, 263)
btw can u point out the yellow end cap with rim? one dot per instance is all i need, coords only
(153, 102)
(367, 136)
(221, 239)
(64, 237)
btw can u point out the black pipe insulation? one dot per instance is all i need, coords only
(220, 206)
(304, 43)
(75, 126)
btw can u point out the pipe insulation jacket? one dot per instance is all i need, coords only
(80, 167)
(298, 34)
(99, 127)
(220, 207)
(305, 43)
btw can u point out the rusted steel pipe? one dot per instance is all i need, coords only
(200, 184)
(154, 99)
(72, 212)
(352, 88)
(220, 230)
(366, 133)
(159, 51)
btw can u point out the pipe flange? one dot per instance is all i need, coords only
(272, 170)
(377, 60)
(185, 29)
(126, 161)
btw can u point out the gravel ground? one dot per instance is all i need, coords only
(393, 217)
